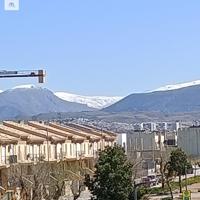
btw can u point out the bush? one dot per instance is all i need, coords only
(141, 192)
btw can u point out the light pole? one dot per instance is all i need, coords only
(48, 155)
(195, 169)
(136, 186)
(47, 145)
(186, 178)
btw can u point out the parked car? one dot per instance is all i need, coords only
(151, 180)
(190, 171)
(146, 182)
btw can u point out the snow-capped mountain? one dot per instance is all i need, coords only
(174, 99)
(177, 86)
(97, 102)
(29, 100)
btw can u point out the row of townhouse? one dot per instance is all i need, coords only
(26, 147)
(37, 141)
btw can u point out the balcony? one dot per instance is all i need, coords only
(35, 157)
(80, 155)
(8, 160)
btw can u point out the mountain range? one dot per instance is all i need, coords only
(29, 100)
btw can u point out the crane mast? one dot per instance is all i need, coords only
(23, 73)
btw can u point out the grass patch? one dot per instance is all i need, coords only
(174, 185)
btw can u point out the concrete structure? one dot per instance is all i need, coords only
(144, 147)
(26, 144)
(171, 138)
(144, 141)
(122, 141)
(189, 140)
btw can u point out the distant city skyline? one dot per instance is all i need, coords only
(109, 48)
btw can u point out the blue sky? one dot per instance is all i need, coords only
(102, 47)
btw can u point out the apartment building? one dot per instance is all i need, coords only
(29, 143)
(151, 126)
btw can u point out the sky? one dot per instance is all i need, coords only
(102, 47)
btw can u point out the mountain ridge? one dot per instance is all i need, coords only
(95, 102)
(32, 101)
(185, 99)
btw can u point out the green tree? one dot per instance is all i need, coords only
(179, 163)
(113, 176)
(168, 177)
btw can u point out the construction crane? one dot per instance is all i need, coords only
(25, 73)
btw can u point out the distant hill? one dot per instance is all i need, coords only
(183, 99)
(121, 117)
(31, 100)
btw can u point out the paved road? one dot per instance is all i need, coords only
(84, 195)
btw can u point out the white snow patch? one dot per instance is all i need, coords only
(177, 86)
(30, 86)
(98, 102)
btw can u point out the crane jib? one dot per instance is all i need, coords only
(26, 73)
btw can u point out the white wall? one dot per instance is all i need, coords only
(189, 140)
(144, 141)
(122, 140)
